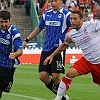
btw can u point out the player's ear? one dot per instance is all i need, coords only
(81, 20)
(10, 19)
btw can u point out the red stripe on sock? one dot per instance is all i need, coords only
(67, 82)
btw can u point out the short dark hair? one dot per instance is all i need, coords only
(5, 14)
(64, 1)
(78, 12)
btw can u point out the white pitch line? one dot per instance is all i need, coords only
(24, 96)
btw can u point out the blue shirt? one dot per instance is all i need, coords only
(10, 41)
(57, 24)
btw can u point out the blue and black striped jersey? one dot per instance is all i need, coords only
(57, 24)
(10, 41)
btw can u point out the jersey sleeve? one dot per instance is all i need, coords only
(17, 42)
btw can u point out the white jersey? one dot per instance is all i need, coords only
(88, 39)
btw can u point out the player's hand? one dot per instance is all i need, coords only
(24, 44)
(67, 38)
(48, 59)
(12, 55)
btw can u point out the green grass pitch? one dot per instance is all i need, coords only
(27, 86)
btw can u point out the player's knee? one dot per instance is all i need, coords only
(72, 73)
(56, 78)
(43, 78)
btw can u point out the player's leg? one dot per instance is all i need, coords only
(1, 94)
(56, 77)
(44, 71)
(6, 79)
(95, 72)
(79, 68)
(57, 68)
(65, 82)
(44, 77)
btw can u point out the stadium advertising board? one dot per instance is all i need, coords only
(31, 54)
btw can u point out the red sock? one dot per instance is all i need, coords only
(67, 81)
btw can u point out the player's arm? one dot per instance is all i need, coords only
(18, 53)
(36, 31)
(61, 48)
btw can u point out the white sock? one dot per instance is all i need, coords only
(62, 89)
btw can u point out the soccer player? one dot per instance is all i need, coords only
(10, 50)
(57, 21)
(87, 37)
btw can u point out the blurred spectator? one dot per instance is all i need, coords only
(98, 9)
(11, 3)
(72, 5)
(22, 3)
(82, 6)
(67, 3)
(37, 5)
(63, 4)
(27, 7)
(18, 2)
(5, 4)
(84, 16)
(46, 6)
(1, 6)
(90, 16)
(77, 7)
(41, 3)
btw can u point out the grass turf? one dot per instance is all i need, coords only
(27, 86)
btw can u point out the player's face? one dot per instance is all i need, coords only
(4, 24)
(76, 21)
(55, 4)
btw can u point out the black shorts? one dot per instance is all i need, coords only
(57, 65)
(6, 78)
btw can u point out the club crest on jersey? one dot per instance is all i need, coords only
(53, 23)
(60, 15)
(8, 36)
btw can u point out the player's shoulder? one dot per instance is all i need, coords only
(65, 11)
(12, 27)
(48, 10)
(91, 23)
(73, 31)
(13, 30)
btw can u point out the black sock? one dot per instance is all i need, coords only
(52, 86)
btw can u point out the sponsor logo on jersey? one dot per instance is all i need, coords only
(53, 23)
(3, 41)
